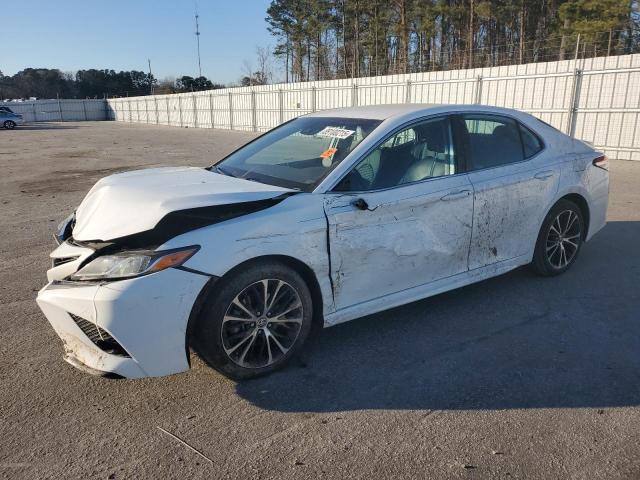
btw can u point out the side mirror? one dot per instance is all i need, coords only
(360, 204)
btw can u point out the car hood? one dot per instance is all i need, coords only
(127, 203)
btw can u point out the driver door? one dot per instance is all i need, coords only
(401, 218)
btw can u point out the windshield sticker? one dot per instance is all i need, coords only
(328, 152)
(335, 132)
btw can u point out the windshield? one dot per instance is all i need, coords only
(299, 153)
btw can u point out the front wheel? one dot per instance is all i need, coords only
(559, 240)
(9, 124)
(258, 319)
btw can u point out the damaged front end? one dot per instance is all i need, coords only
(65, 228)
(117, 299)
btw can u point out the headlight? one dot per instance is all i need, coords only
(132, 264)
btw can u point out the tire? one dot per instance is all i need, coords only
(233, 335)
(9, 124)
(560, 239)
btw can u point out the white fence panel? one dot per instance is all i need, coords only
(597, 100)
(60, 110)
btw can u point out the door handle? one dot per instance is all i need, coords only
(544, 175)
(456, 195)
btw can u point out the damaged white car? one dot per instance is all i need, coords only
(326, 218)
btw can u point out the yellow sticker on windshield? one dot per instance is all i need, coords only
(328, 152)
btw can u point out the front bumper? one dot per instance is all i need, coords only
(147, 316)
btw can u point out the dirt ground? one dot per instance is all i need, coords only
(514, 377)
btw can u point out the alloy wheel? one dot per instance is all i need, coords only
(563, 239)
(262, 323)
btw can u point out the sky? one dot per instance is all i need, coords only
(121, 35)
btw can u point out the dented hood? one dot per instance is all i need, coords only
(127, 203)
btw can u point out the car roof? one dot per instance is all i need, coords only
(374, 112)
(404, 111)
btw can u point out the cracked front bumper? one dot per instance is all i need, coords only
(147, 316)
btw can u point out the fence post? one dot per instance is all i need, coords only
(168, 112)
(280, 107)
(180, 109)
(195, 110)
(407, 96)
(478, 92)
(59, 108)
(84, 109)
(155, 100)
(211, 109)
(354, 95)
(130, 112)
(230, 111)
(35, 112)
(254, 117)
(138, 110)
(575, 102)
(146, 108)
(313, 99)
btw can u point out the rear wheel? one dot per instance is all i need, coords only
(257, 320)
(559, 240)
(9, 124)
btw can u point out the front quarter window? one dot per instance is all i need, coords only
(300, 153)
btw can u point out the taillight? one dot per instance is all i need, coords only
(601, 162)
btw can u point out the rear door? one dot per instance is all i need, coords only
(401, 218)
(514, 179)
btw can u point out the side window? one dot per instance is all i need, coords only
(493, 141)
(405, 136)
(530, 142)
(421, 151)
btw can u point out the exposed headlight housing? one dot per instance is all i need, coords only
(132, 264)
(65, 228)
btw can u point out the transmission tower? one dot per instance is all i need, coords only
(198, 40)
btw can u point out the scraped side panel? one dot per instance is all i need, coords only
(408, 237)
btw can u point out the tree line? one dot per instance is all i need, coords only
(93, 83)
(326, 39)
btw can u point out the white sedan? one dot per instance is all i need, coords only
(326, 218)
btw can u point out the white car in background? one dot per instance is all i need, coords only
(326, 218)
(8, 119)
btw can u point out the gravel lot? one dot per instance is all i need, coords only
(518, 376)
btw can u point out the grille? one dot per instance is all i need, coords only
(99, 337)
(62, 260)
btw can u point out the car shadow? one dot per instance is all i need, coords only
(515, 341)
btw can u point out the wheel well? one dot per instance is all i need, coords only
(300, 267)
(582, 204)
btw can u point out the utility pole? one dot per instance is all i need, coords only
(198, 41)
(150, 77)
